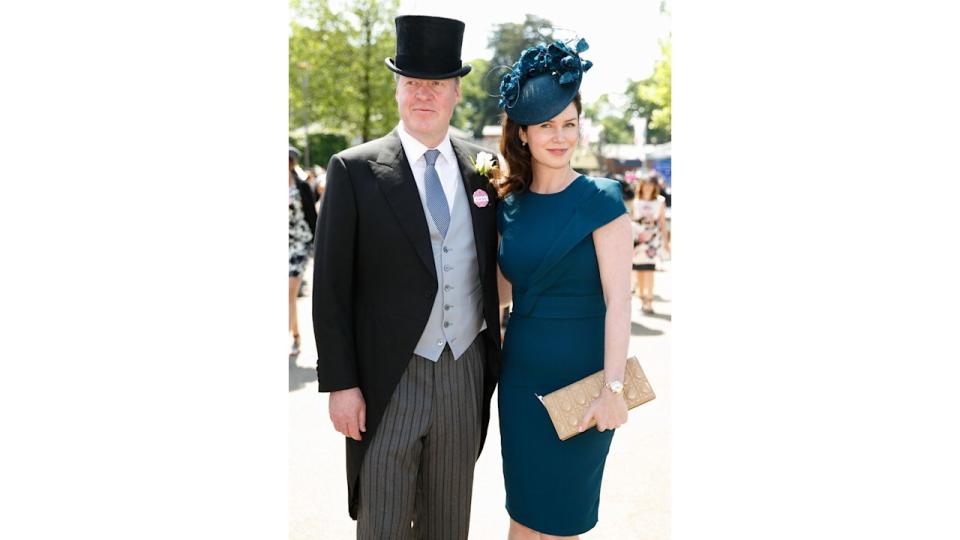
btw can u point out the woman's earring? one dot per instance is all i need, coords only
(523, 143)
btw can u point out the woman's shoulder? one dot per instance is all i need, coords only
(602, 200)
(598, 185)
(601, 183)
(601, 189)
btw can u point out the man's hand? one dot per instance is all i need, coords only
(348, 412)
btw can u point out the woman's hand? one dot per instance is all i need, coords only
(610, 411)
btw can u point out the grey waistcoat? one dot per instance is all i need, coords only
(457, 314)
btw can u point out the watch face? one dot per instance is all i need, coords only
(616, 386)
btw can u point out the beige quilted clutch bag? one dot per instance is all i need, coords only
(568, 405)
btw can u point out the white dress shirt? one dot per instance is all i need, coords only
(447, 168)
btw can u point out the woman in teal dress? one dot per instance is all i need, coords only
(564, 258)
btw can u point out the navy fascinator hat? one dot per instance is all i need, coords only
(543, 81)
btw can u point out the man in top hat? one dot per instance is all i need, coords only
(405, 306)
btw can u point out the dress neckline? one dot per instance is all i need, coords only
(575, 180)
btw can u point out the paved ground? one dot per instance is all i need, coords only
(635, 500)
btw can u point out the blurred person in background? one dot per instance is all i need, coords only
(313, 182)
(320, 186)
(664, 188)
(665, 192)
(303, 219)
(311, 179)
(649, 210)
(628, 189)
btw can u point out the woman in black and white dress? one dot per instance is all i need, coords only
(303, 219)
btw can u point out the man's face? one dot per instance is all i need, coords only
(426, 106)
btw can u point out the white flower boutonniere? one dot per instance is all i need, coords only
(484, 164)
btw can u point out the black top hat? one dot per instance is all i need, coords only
(428, 48)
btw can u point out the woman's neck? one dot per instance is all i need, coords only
(547, 180)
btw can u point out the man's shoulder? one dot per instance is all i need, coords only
(471, 147)
(368, 151)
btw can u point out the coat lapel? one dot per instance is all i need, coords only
(472, 182)
(400, 190)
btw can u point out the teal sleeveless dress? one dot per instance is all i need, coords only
(554, 337)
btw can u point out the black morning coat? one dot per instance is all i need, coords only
(374, 278)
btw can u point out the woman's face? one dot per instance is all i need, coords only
(646, 189)
(552, 142)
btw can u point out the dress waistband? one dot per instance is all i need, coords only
(559, 307)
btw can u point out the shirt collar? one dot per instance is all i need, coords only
(415, 149)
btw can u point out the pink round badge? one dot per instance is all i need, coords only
(480, 198)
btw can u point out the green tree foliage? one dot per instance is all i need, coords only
(478, 107)
(338, 56)
(651, 98)
(616, 130)
(508, 40)
(615, 122)
(323, 146)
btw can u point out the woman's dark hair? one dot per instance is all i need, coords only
(518, 156)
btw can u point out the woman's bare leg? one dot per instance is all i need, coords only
(292, 301)
(521, 532)
(646, 290)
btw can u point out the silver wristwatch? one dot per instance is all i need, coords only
(614, 386)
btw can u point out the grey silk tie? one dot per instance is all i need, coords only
(436, 199)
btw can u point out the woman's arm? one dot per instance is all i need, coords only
(614, 249)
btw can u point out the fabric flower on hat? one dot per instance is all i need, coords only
(557, 59)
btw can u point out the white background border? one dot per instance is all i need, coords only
(814, 358)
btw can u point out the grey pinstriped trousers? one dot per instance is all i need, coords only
(419, 466)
